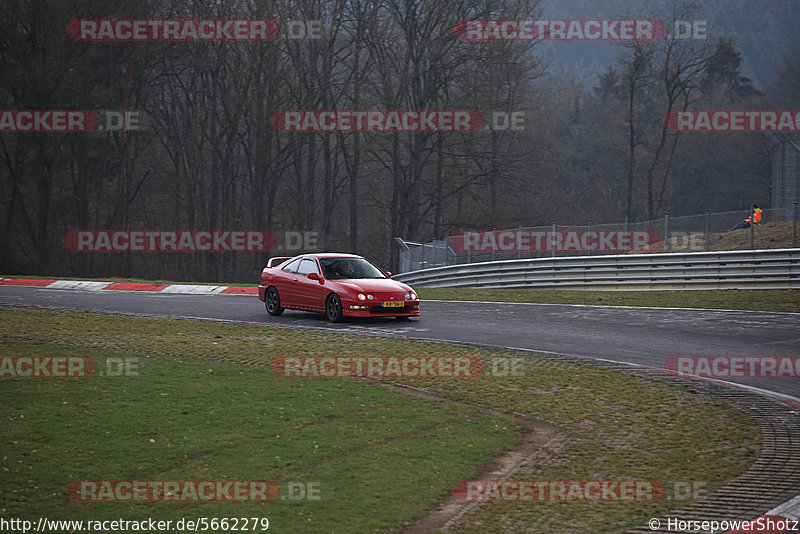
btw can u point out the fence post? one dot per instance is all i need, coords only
(553, 240)
(752, 226)
(588, 250)
(494, 250)
(794, 225)
(708, 230)
(666, 232)
(519, 248)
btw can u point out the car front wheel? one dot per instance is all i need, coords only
(273, 302)
(333, 308)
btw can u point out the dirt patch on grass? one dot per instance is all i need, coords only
(535, 444)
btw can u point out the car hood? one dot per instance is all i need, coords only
(372, 285)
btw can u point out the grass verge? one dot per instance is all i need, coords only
(730, 299)
(379, 458)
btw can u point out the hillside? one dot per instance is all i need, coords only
(767, 236)
(771, 235)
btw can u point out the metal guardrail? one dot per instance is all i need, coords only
(740, 269)
(689, 233)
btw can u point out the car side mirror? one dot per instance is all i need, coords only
(315, 276)
(388, 274)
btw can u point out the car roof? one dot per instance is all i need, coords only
(319, 256)
(322, 255)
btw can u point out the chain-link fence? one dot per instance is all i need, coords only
(785, 172)
(416, 256)
(693, 233)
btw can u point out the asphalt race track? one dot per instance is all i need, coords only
(645, 336)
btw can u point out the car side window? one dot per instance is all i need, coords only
(308, 266)
(292, 267)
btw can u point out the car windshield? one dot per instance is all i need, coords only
(349, 268)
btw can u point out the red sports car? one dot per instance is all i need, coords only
(340, 285)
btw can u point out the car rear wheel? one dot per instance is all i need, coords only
(273, 302)
(333, 308)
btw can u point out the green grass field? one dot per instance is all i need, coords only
(204, 405)
(729, 299)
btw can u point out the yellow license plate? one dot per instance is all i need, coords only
(393, 304)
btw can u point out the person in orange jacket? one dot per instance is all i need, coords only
(754, 218)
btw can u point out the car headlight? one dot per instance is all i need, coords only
(407, 296)
(370, 297)
(413, 296)
(361, 296)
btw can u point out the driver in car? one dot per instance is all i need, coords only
(340, 269)
(346, 270)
